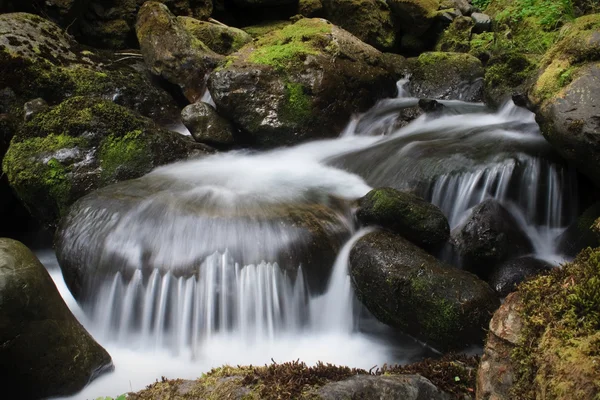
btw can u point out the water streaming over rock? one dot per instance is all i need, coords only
(199, 261)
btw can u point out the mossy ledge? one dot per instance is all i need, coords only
(454, 374)
(559, 348)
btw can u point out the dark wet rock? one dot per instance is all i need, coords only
(172, 52)
(445, 76)
(293, 235)
(206, 126)
(60, 69)
(483, 22)
(80, 145)
(369, 20)
(488, 237)
(415, 16)
(409, 289)
(219, 38)
(299, 83)
(580, 234)
(505, 278)
(430, 106)
(45, 351)
(34, 107)
(406, 214)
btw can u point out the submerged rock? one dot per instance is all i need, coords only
(172, 52)
(409, 289)
(206, 126)
(445, 76)
(81, 145)
(45, 351)
(505, 278)
(406, 214)
(299, 83)
(489, 236)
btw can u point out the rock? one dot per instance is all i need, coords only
(445, 76)
(293, 235)
(219, 38)
(61, 69)
(45, 351)
(206, 126)
(262, 3)
(505, 278)
(409, 289)
(564, 95)
(83, 144)
(580, 234)
(488, 237)
(415, 16)
(299, 83)
(457, 37)
(430, 106)
(406, 214)
(369, 20)
(543, 340)
(172, 52)
(407, 387)
(257, 31)
(35, 107)
(483, 22)
(463, 6)
(508, 73)
(310, 8)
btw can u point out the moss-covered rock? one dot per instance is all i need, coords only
(406, 214)
(580, 233)
(415, 16)
(488, 237)
(410, 290)
(440, 75)
(219, 38)
(80, 145)
(310, 8)
(257, 31)
(300, 82)
(45, 351)
(550, 333)
(172, 52)
(369, 20)
(457, 37)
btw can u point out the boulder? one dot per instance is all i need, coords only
(406, 214)
(565, 95)
(580, 234)
(206, 126)
(505, 278)
(301, 82)
(457, 37)
(407, 387)
(172, 52)
(310, 8)
(45, 351)
(83, 144)
(415, 16)
(543, 341)
(488, 237)
(219, 38)
(369, 20)
(61, 68)
(409, 289)
(482, 22)
(445, 76)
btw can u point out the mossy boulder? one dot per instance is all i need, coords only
(80, 145)
(219, 38)
(206, 126)
(310, 8)
(508, 73)
(544, 340)
(406, 214)
(45, 351)
(565, 95)
(172, 52)
(489, 236)
(415, 16)
(40, 61)
(408, 289)
(369, 20)
(446, 76)
(259, 30)
(580, 233)
(457, 37)
(299, 83)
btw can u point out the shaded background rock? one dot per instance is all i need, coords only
(45, 350)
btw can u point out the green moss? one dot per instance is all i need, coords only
(291, 44)
(559, 348)
(298, 105)
(257, 31)
(128, 154)
(457, 36)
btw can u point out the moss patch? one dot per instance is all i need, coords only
(128, 155)
(298, 105)
(257, 31)
(559, 349)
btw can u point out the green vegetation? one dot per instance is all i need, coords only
(129, 153)
(257, 31)
(559, 348)
(298, 105)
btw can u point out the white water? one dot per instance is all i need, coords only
(158, 321)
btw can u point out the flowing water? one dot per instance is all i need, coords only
(196, 277)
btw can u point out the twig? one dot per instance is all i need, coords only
(214, 21)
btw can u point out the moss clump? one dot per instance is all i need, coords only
(291, 44)
(558, 352)
(218, 38)
(257, 31)
(123, 156)
(457, 36)
(508, 70)
(298, 105)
